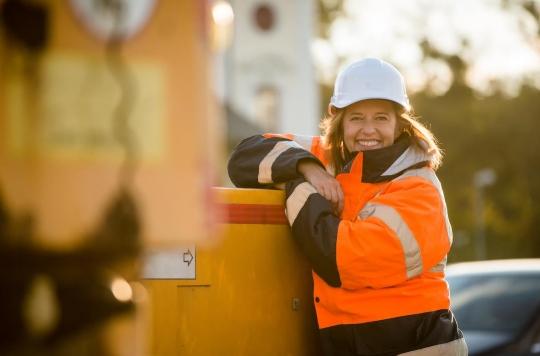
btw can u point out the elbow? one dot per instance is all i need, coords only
(333, 282)
(241, 172)
(233, 171)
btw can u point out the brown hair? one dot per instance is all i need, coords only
(338, 155)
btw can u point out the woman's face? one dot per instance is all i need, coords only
(369, 124)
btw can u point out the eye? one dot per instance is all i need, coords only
(355, 118)
(381, 118)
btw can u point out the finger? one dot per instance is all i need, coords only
(335, 196)
(322, 191)
(330, 196)
(341, 202)
(319, 189)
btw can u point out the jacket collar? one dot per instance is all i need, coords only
(384, 164)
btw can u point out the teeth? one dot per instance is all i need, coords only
(368, 143)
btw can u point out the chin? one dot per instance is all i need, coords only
(360, 149)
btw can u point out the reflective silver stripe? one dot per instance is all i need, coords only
(439, 267)
(409, 158)
(456, 347)
(265, 167)
(304, 141)
(429, 175)
(297, 199)
(390, 216)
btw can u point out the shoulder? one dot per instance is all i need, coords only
(418, 186)
(424, 175)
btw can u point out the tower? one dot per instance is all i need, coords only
(268, 73)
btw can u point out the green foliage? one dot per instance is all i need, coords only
(494, 132)
(329, 10)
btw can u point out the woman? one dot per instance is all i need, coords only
(378, 234)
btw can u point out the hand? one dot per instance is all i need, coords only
(325, 184)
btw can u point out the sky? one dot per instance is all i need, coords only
(503, 41)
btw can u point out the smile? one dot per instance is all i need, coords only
(368, 143)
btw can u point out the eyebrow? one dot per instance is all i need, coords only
(377, 113)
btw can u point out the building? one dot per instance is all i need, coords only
(266, 77)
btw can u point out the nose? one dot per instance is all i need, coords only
(368, 128)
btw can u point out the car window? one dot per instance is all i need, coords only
(500, 303)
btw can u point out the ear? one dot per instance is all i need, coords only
(331, 110)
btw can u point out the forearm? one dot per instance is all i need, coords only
(259, 161)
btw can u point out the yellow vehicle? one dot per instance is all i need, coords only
(252, 293)
(110, 141)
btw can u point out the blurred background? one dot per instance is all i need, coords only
(117, 118)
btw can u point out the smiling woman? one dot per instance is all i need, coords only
(361, 99)
(366, 208)
(369, 124)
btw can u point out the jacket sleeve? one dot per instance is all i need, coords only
(398, 235)
(259, 161)
(314, 227)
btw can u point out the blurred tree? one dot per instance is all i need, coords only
(329, 11)
(499, 133)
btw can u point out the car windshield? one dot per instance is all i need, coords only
(495, 303)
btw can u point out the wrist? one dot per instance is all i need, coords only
(305, 166)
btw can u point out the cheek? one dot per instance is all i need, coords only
(391, 132)
(348, 130)
(397, 131)
(349, 134)
(398, 128)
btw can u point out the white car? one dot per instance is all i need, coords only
(497, 305)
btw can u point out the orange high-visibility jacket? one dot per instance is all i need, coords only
(383, 259)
